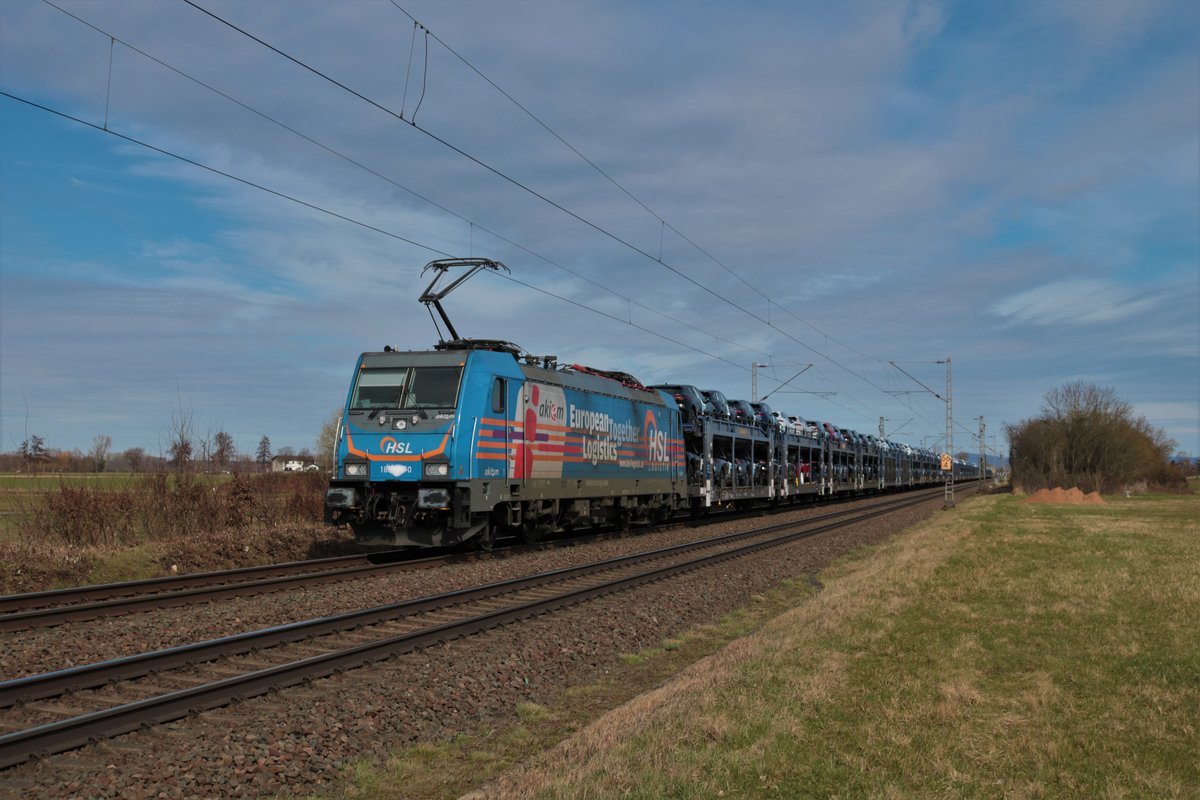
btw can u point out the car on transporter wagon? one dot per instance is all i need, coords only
(689, 399)
(742, 412)
(720, 406)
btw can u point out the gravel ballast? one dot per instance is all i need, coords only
(300, 739)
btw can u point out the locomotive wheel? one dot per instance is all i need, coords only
(485, 540)
(532, 532)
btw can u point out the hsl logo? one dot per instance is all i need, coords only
(656, 440)
(390, 446)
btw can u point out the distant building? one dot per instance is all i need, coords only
(293, 463)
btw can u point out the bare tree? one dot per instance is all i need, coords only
(135, 456)
(99, 452)
(181, 447)
(181, 453)
(224, 450)
(204, 448)
(327, 440)
(33, 451)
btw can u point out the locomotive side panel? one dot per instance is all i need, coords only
(588, 450)
(564, 432)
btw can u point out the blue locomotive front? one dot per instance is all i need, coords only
(462, 443)
(398, 458)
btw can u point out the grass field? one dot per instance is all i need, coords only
(25, 483)
(1000, 650)
(60, 530)
(41, 481)
(21, 492)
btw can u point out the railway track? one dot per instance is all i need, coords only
(108, 698)
(80, 604)
(46, 609)
(107, 591)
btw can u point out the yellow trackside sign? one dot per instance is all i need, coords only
(947, 463)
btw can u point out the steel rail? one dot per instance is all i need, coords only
(70, 733)
(57, 615)
(103, 591)
(130, 597)
(86, 676)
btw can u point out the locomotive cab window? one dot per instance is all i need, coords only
(406, 388)
(433, 387)
(498, 392)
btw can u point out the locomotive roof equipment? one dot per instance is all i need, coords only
(431, 298)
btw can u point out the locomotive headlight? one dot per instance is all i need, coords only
(436, 469)
(356, 469)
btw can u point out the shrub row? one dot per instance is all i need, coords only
(1088, 437)
(159, 506)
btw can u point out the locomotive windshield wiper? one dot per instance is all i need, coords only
(394, 404)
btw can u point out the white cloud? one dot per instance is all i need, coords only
(1074, 302)
(1102, 25)
(1174, 411)
(924, 20)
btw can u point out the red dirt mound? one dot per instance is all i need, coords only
(1066, 497)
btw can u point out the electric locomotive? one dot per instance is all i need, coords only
(470, 439)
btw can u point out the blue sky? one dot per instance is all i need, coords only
(1015, 185)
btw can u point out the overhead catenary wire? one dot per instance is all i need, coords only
(472, 223)
(632, 324)
(345, 218)
(222, 173)
(923, 386)
(663, 222)
(504, 176)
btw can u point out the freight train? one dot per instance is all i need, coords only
(474, 440)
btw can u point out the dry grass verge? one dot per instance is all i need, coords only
(1005, 650)
(72, 532)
